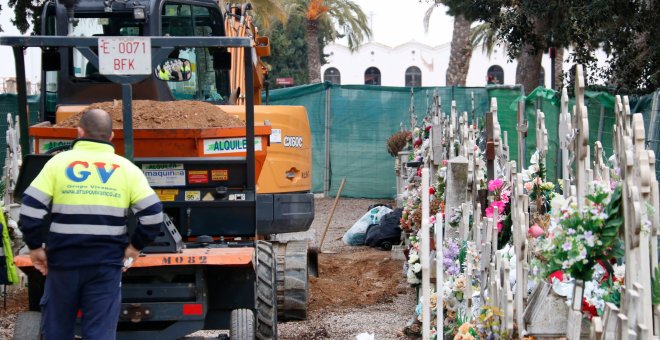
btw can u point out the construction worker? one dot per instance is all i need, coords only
(8, 274)
(87, 191)
(185, 70)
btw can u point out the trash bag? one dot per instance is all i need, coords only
(379, 205)
(386, 233)
(356, 234)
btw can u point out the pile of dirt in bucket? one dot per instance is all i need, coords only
(151, 114)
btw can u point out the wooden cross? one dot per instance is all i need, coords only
(519, 231)
(601, 171)
(541, 135)
(522, 134)
(491, 118)
(564, 132)
(581, 141)
(411, 111)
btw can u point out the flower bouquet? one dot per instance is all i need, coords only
(578, 238)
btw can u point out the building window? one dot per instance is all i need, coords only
(542, 77)
(332, 75)
(495, 75)
(372, 76)
(413, 76)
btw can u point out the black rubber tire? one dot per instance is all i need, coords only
(292, 281)
(265, 292)
(28, 326)
(386, 245)
(242, 324)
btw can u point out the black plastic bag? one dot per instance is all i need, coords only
(386, 233)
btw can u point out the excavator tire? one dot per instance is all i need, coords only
(266, 292)
(292, 281)
(242, 324)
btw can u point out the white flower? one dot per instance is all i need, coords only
(416, 267)
(413, 258)
(619, 271)
(412, 278)
(557, 203)
(589, 238)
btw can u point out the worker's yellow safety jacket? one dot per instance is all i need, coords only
(88, 191)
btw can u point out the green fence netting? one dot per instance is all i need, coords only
(362, 117)
(9, 105)
(649, 107)
(600, 109)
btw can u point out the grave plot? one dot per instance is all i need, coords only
(498, 251)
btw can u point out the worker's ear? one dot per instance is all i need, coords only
(81, 132)
(112, 135)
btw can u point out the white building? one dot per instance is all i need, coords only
(408, 63)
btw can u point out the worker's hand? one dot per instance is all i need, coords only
(130, 256)
(39, 260)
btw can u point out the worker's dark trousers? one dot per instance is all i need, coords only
(96, 291)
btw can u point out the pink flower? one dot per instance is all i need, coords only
(535, 231)
(529, 186)
(504, 197)
(444, 162)
(500, 206)
(499, 227)
(489, 211)
(495, 184)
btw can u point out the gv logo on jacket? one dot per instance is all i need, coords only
(76, 173)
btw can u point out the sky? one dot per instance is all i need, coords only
(393, 22)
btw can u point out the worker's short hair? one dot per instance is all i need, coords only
(97, 124)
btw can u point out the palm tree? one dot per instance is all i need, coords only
(268, 11)
(486, 36)
(343, 18)
(461, 49)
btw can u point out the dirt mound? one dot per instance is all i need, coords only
(355, 279)
(150, 114)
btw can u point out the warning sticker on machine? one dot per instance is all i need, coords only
(276, 136)
(198, 176)
(193, 195)
(46, 145)
(165, 174)
(220, 175)
(167, 195)
(229, 145)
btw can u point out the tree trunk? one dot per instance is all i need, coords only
(461, 52)
(528, 71)
(559, 68)
(313, 53)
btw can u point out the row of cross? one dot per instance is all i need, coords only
(455, 139)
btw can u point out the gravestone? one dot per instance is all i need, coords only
(456, 189)
(546, 314)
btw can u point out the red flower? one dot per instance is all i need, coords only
(418, 142)
(428, 128)
(589, 309)
(431, 191)
(559, 275)
(419, 172)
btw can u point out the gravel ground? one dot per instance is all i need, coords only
(386, 317)
(384, 320)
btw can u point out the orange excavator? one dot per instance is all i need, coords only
(227, 192)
